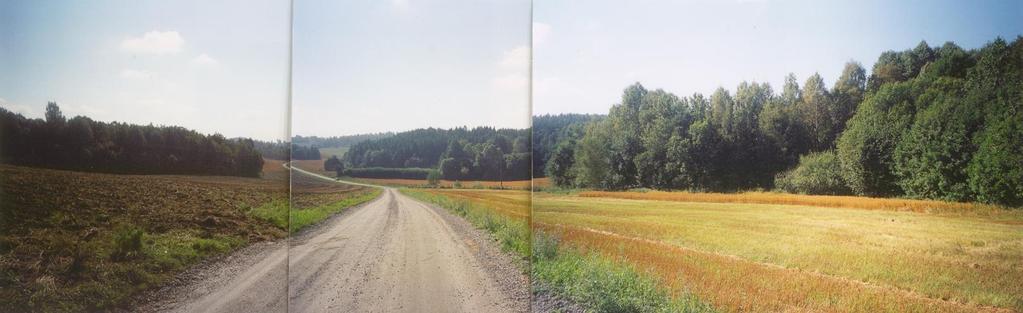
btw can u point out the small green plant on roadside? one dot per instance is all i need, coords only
(275, 212)
(127, 243)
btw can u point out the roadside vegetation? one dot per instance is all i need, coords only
(74, 241)
(502, 213)
(314, 200)
(593, 280)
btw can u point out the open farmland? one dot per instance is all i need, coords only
(860, 255)
(75, 241)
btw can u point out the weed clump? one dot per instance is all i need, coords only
(127, 243)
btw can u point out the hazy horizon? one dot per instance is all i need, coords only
(373, 66)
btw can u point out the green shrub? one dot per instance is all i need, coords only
(932, 158)
(818, 173)
(996, 170)
(433, 178)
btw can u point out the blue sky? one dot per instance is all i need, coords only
(213, 66)
(391, 65)
(586, 52)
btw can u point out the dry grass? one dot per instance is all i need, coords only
(509, 203)
(315, 166)
(274, 170)
(891, 204)
(769, 257)
(542, 182)
(735, 284)
(515, 184)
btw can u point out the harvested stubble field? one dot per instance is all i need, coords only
(74, 241)
(746, 253)
(315, 166)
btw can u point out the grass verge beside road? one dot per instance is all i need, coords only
(303, 217)
(597, 282)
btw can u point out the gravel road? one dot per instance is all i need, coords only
(392, 254)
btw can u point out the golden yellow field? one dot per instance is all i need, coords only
(509, 203)
(745, 252)
(515, 184)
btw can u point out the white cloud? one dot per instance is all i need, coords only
(206, 60)
(21, 109)
(516, 58)
(135, 74)
(541, 31)
(154, 42)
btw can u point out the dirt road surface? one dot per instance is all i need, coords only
(392, 254)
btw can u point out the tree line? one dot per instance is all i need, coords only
(481, 153)
(929, 122)
(337, 141)
(83, 144)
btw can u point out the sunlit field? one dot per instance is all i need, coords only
(860, 255)
(473, 184)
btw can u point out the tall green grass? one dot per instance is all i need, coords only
(300, 218)
(601, 284)
(275, 212)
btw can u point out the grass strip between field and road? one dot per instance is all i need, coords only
(304, 217)
(592, 280)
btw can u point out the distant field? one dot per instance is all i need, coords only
(515, 184)
(74, 241)
(326, 153)
(509, 203)
(741, 255)
(315, 166)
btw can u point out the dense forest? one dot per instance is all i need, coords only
(553, 131)
(299, 152)
(482, 153)
(929, 122)
(275, 150)
(82, 144)
(337, 141)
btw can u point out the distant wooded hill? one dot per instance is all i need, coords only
(337, 141)
(83, 144)
(482, 153)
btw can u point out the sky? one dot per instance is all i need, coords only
(364, 66)
(586, 52)
(367, 66)
(213, 66)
